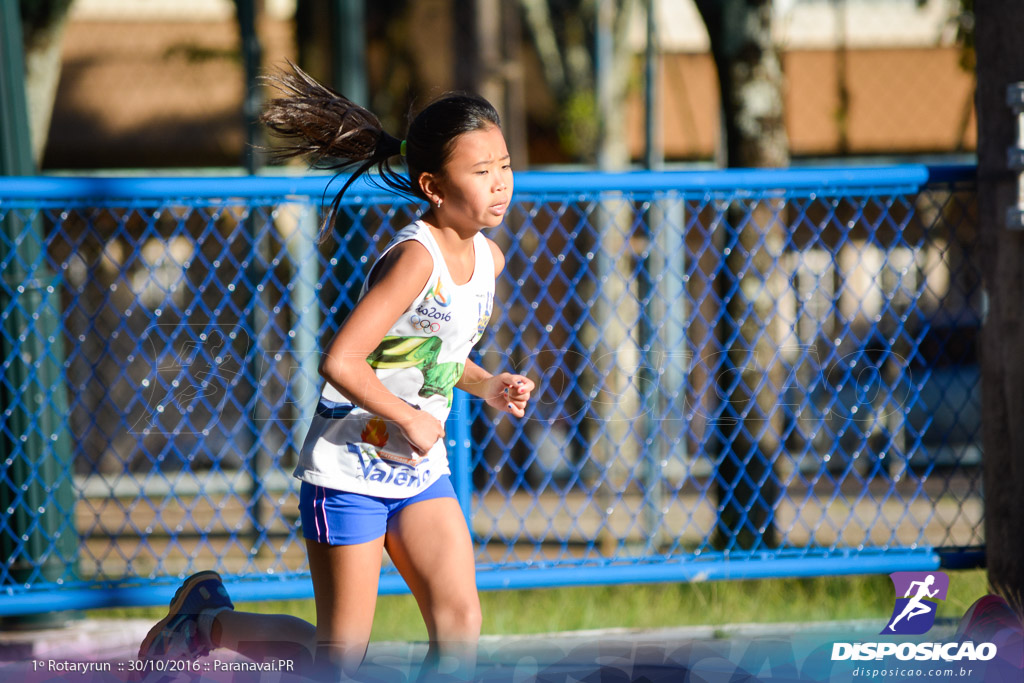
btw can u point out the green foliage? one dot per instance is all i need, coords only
(195, 53)
(965, 35)
(39, 14)
(577, 129)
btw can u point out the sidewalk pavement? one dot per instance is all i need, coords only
(111, 639)
(655, 654)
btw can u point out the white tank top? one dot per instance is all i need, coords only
(420, 360)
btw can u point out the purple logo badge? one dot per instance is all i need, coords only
(917, 594)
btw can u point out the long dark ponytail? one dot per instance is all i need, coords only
(335, 133)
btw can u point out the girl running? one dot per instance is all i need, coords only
(373, 467)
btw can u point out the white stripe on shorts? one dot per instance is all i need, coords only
(321, 494)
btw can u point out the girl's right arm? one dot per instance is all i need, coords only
(398, 280)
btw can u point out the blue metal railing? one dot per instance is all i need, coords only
(742, 374)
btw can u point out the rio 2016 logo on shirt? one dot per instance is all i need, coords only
(917, 594)
(438, 295)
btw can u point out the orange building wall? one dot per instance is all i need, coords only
(906, 101)
(170, 94)
(138, 94)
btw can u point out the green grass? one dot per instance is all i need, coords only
(646, 606)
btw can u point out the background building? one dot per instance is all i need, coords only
(160, 83)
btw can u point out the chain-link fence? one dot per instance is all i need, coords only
(740, 374)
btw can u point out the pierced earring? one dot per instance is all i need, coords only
(439, 203)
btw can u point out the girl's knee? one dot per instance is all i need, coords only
(459, 620)
(472, 619)
(337, 661)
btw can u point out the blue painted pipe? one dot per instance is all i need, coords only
(675, 571)
(715, 570)
(907, 178)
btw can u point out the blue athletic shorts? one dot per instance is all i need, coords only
(344, 518)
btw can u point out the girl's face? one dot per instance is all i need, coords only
(476, 186)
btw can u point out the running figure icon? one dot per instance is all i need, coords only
(915, 606)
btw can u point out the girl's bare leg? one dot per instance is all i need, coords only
(430, 546)
(345, 582)
(266, 636)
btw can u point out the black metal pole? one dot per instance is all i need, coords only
(251, 56)
(348, 50)
(653, 152)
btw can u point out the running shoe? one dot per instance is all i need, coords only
(988, 616)
(991, 619)
(177, 636)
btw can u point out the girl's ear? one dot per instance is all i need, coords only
(430, 187)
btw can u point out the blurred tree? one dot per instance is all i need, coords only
(565, 36)
(247, 12)
(36, 490)
(394, 55)
(1000, 64)
(43, 24)
(488, 61)
(749, 82)
(963, 20)
(331, 39)
(753, 134)
(376, 52)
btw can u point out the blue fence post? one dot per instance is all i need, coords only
(257, 318)
(459, 452)
(663, 346)
(305, 378)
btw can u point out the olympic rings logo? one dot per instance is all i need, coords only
(425, 325)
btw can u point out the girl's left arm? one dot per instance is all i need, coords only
(505, 391)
